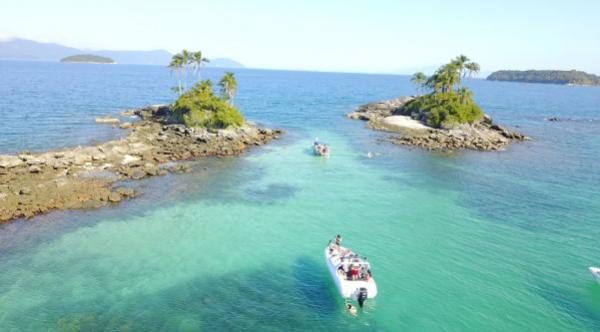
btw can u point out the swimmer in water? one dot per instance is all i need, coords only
(351, 309)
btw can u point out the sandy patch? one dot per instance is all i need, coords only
(404, 122)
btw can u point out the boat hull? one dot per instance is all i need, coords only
(595, 272)
(348, 289)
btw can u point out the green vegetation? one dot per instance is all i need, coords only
(546, 76)
(448, 103)
(200, 106)
(183, 63)
(228, 87)
(87, 58)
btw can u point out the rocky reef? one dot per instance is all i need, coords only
(91, 177)
(390, 116)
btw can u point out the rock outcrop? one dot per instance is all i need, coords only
(89, 177)
(483, 135)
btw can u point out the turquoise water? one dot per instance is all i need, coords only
(462, 242)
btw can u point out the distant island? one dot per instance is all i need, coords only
(568, 77)
(87, 58)
(24, 49)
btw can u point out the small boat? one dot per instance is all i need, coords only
(595, 272)
(321, 149)
(351, 273)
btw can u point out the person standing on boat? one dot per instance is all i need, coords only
(338, 240)
(354, 270)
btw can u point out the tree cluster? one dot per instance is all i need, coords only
(199, 106)
(446, 102)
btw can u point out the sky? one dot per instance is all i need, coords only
(374, 36)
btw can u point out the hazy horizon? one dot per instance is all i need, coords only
(348, 36)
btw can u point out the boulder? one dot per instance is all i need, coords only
(114, 197)
(107, 120)
(126, 192)
(7, 161)
(33, 160)
(34, 169)
(130, 160)
(138, 174)
(81, 159)
(151, 169)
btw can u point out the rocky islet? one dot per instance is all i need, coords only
(482, 135)
(91, 176)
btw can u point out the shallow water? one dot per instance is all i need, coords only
(463, 242)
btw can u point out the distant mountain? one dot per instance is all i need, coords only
(23, 49)
(157, 57)
(224, 63)
(570, 77)
(87, 58)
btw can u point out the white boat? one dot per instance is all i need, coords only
(351, 273)
(595, 272)
(321, 149)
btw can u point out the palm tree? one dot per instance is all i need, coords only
(465, 94)
(419, 79)
(186, 59)
(472, 68)
(204, 87)
(228, 86)
(176, 65)
(445, 78)
(197, 61)
(461, 62)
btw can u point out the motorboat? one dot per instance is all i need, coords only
(595, 272)
(321, 149)
(351, 273)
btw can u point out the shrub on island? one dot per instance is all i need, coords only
(200, 107)
(448, 103)
(444, 109)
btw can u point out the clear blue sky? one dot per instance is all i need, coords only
(331, 35)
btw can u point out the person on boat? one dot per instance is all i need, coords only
(338, 240)
(351, 309)
(354, 272)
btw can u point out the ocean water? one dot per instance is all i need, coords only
(470, 241)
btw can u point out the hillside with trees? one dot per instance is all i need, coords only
(570, 77)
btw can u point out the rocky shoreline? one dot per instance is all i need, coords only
(90, 177)
(483, 135)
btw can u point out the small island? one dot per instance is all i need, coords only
(444, 119)
(88, 58)
(564, 77)
(200, 123)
